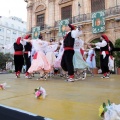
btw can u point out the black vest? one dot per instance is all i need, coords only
(28, 47)
(106, 48)
(18, 47)
(69, 41)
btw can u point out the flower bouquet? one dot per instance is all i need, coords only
(109, 111)
(3, 86)
(40, 92)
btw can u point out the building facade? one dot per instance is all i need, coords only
(48, 13)
(10, 29)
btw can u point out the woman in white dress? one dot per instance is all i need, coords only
(50, 55)
(39, 62)
(78, 58)
(91, 59)
(57, 63)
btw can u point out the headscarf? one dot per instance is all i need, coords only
(18, 40)
(27, 36)
(105, 37)
(71, 26)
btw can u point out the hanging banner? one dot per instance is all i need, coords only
(98, 22)
(35, 32)
(62, 25)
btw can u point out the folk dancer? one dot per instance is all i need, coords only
(39, 62)
(104, 54)
(79, 61)
(67, 58)
(27, 55)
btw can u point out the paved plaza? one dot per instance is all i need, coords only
(78, 100)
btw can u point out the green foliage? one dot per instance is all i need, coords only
(5, 58)
(104, 106)
(117, 53)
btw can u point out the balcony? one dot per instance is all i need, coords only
(111, 12)
(87, 17)
(42, 26)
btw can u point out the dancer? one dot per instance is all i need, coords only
(18, 56)
(104, 54)
(50, 55)
(39, 63)
(79, 61)
(111, 64)
(67, 58)
(57, 63)
(27, 55)
(91, 59)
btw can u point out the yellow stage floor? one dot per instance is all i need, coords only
(78, 100)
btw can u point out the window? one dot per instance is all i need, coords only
(8, 32)
(24, 29)
(12, 25)
(1, 30)
(97, 5)
(66, 12)
(13, 40)
(7, 40)
(40, 20)
(1, 39)
(18, 27)
(6, 24)
(19, 34)
(14, 33)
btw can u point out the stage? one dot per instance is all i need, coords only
(79, 100)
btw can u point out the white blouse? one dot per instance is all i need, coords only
(101, 44)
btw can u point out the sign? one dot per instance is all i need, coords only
(62, 25)
(98, 22)
(35, 32)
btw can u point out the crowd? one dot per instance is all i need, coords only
(66, 56)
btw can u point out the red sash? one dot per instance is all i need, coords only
(18, 53)
(91, 58)
(35, 56)
(68, 48)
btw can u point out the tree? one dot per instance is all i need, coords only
(117, 53)
(5, 58)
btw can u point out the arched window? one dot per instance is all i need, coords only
(40, 16)
(97, 5)
(40, 20)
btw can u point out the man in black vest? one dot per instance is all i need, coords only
(27, 55)
(67, 58)
(104, 54)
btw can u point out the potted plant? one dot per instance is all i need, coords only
(117, 56)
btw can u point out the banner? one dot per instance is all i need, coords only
(98, 22)
(35, 32)
(62, 25)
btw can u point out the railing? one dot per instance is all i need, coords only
(112, 11)
(87, 17)
(43, 26)
(84, 17)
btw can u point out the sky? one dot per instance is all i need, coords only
(13, 8)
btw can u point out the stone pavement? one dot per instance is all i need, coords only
(78, 100)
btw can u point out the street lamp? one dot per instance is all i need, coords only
(79, 7)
